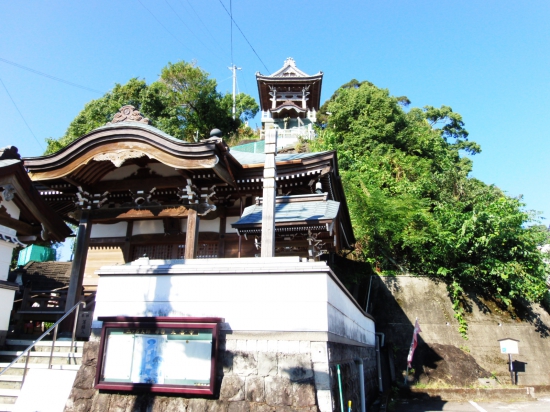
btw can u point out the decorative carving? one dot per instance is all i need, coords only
(8, 193)
(197, 199)
(129, 113)
(86, 200)
(9, 152)
(119, 157)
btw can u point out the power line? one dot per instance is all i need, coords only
(208, 30)
(21, 114)
(164, 27)
(49, 76)
(188, 28)
(233, 20)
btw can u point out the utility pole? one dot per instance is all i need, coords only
(234, 69)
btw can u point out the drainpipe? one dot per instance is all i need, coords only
(359, 363)
(379, 337)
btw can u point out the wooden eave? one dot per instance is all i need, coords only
(34, 211)
(315, 83)
(76, 161)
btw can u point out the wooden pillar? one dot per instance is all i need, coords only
(221, 236)
(192, 235)
(79, 261)
(127, 248)
(268, 204)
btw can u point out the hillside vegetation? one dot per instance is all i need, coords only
(414, 207)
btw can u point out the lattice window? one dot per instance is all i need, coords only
(153, 251)
(206, 250)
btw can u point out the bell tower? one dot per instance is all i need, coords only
(289, 100)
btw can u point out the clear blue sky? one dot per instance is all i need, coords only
(488, 60)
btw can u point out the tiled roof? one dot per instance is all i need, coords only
(292, 212)
(139, 125)
(255, 158)
(44, 275)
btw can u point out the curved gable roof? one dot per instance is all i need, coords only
(108, 147)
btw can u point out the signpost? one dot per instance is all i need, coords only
(510, 346)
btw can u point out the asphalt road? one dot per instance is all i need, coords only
(540, 405)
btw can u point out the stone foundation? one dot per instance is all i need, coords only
(253, 375)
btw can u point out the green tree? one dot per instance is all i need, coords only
(184, 102)
(413, 205)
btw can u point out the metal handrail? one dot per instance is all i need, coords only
(54, 328)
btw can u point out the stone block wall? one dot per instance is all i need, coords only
(345, 356)
(253, 375)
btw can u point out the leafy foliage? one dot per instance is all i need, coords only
(413, 205)
(184, 103)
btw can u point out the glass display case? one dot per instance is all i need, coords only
(171, 355)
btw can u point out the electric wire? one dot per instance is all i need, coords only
(259, 58)
(168, 31)
(188, 28)
(49, 76)
(209, 31)
(21, 114)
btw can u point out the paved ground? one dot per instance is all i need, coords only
(541, 405)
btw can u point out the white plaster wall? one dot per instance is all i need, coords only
(11, 208)
(209, 225)
(14, 212)
(228, 222)
(145, 227)
(277, 294)
(6, 303)
(6, 251)
(112, 230)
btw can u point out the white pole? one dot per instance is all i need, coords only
(234, 69)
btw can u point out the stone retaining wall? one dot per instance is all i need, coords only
(253, 375)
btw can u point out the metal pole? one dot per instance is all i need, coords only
(511, 368)
(340, 388)
(53, 345)
(26, 365)
(368, 296)
(74, 327)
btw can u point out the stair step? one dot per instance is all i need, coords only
(39, 366)
(28, 342)
(38, 354)
(11, 378)
(10, 392)
(7, 407)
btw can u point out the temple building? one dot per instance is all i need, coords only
(135, 191)
(207, 262)
(25, 218)
(289, 101)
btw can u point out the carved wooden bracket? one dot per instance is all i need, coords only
(8, 193)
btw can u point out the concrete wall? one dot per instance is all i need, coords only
(287, 325)
(398, 300)
(6, 303)
(252, 294)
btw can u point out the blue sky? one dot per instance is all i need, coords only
(488, 60)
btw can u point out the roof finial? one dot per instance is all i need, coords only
(128, 113)
(290, 62)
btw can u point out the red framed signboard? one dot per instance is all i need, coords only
(158, 354)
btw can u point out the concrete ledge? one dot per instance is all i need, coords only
(476, 394)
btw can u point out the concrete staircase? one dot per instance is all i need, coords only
(10, 382)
